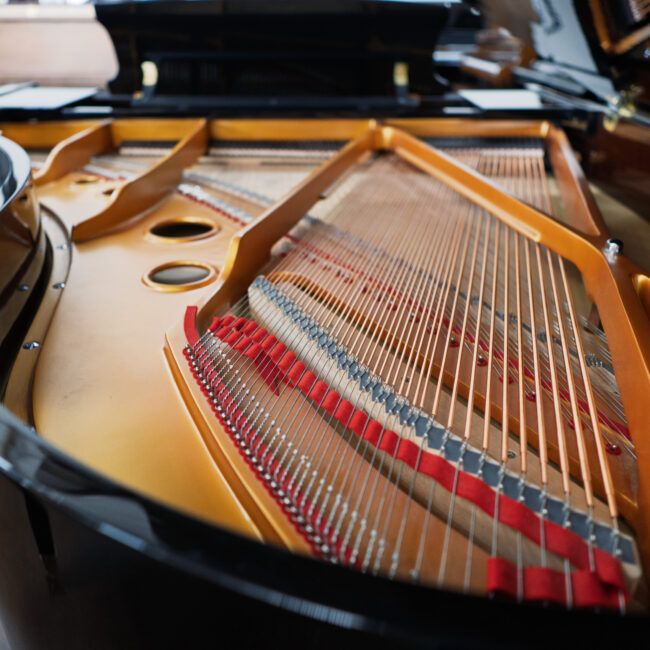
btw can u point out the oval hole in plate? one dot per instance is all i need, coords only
(85, 180)
(183, 229)
(180, 276)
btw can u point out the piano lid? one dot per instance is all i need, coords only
(358, 57)
(317, 49)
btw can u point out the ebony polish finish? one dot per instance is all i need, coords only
(23, 251)
(88, 564)
(251, 48)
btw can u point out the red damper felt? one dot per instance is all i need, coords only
(189, 324)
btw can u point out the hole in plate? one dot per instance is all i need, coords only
(108, 191)
(85, 180)
(183, 229)
(179, 276)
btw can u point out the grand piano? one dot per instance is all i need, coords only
(325, 323)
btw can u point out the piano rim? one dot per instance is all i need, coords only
(277, 577)
(298, 594)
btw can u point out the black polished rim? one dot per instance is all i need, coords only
(14, 171)
(309, 587)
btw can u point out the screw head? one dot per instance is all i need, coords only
(23, 287)
(614, 246)
(512, 454)
(58, 285)
(31, 345)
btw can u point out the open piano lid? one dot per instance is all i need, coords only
(305, 54)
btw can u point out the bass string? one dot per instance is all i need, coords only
(454, 396)
(615, 405)
(395, 555)
(603, 463)
(411, 248)
(407, 370)
(517, 181)
(604, 399)
(450, 235)
(504, 344)
(527, 353)
(522, 189)
(583, 376)
(514, 181)
(567, 368)
(561, 368)
(526, 193)
(529, 362)
(487, 413)
(433, 256)
(584, 466)
(461, 238)
(542, 445)
(505, 401)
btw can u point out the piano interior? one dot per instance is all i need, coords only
(416, 303)
(411, 347)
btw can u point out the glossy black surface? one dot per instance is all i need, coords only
(86, 563)
(14, 171)
(22, 251)
(303, 58)
(311, 48)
